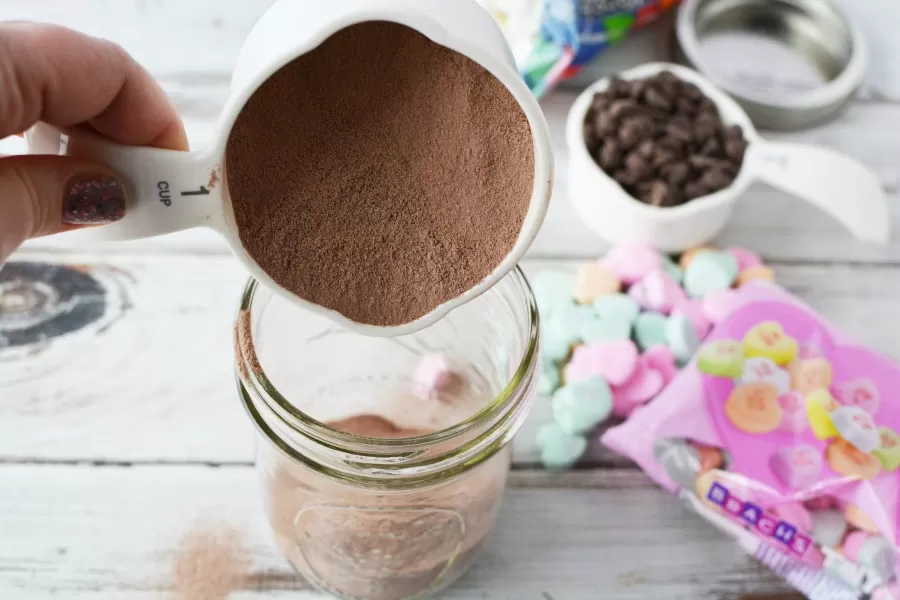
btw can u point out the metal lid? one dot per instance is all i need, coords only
(789, 63)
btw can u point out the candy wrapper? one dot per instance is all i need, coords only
(554, 39)
(782, 431)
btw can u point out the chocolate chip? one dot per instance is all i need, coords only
(694, 190)
(705, 126)
(663, 156)
(624, 177)
(604, 124)
(679, 128)
(691, 91)
(734, 149)
(685, 107)
(610, 155)
(619, 88)
(645, 148)
(733, 132)
(634, 130)
(711, 147)
(656, 99)
(638, 165)
(676, 173)
(619, 109)
(715, 179)
(659, 194)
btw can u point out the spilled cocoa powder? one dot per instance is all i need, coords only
(210, 564)
(381, 174)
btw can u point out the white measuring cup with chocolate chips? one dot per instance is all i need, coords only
(379, 161)
(660, 155)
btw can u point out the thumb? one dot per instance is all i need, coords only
(41, 195)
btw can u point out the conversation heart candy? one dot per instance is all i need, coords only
(568, 322)
(828, 527)
(808, 350)
(760, 368)
(761, 273)
(718, 304)
(691, 253)
(643, 385)
(722, 358)
(888, 452)
(617, 306)
(810, 374)
(660, 358)
(856, 426)
(614, 361)
(555, 346)
(559, 449)
(708, 272)
(797, 467)
(854, 542)
(861, 393)
(845, 459)
(679, 460)
(793, 412)
(693, 311)
(549, 380)
(580, 406)
(433, 374)
(650, 329)
(681, 337)
(672, 269)
(745, 258)
(592, 281)
(631, 262)
(768, 339)
(753, 407)
(819, 406)
(606, 330)
(657, 291)
(553, 291)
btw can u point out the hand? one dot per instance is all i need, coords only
(67, 79)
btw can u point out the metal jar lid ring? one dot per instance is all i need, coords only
(816, 30)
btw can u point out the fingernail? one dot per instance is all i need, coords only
(93, 201)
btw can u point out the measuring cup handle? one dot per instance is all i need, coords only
(167, 190)
(841, 186)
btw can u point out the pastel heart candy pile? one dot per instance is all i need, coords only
(619, 329)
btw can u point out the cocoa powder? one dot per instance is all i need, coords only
(380, 175)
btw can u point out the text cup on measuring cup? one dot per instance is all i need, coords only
(834, 182)
(169, 191)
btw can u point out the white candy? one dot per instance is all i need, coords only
(857, 427)
(879, 554)
(679, 460)
(828, 527)
(760, 368)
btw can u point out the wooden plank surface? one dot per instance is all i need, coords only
(63, 531)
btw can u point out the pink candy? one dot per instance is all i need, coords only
(660, 358)
(643, 385)
(745, 258)
(853, 542)
(657, 291)
(797, 466)
(615, 362)
(793, 412)
(693, 311)
(861, 393)
(631, 262)
(433, 374)
(717, 304)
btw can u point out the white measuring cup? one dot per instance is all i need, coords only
(169, 191)
(834, 182)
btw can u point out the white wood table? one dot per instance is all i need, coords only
(114, 440)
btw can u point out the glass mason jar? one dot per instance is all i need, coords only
(374, 492)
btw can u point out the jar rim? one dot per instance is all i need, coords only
(252, 374)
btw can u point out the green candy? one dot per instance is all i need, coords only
(672, 269)
(617, 306)
(602, 330)
(558, 449)
(889, 452)
(579, 407)
(709, 272)
(650, 329)
(722, 358)
(549, 380)
(553, 291)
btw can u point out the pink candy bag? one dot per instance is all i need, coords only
(782, 432)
